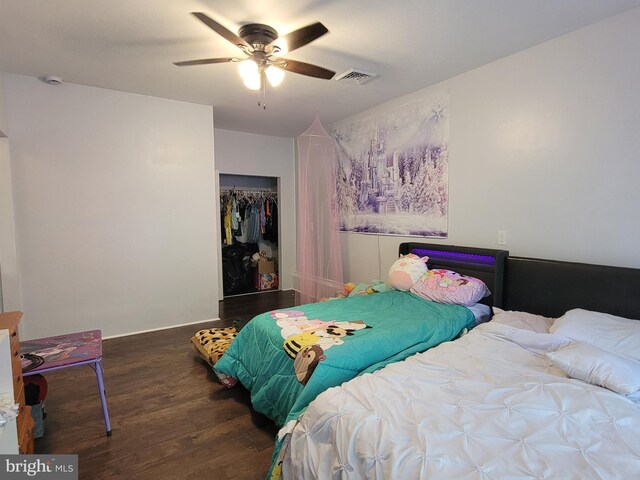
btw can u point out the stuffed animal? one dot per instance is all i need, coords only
(258, 257)
(348, 288)
(359, 290)
(406, 271)
(378, 286)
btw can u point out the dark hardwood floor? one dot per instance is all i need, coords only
(171, 419)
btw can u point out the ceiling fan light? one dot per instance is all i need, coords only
(250, 74)
(275, 75)
(252, 83)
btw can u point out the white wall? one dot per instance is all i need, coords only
(543, 144)
(3, 114)
(114, 207)
(250, 154)
(9, 282)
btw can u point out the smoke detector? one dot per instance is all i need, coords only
(51, 79)
(357, 77)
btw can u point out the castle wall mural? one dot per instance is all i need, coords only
(392, 173)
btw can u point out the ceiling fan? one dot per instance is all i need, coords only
(262, 45)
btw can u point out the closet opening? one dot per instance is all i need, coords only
(249, 229)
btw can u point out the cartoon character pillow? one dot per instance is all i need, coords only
(446, 286)
(406, 271)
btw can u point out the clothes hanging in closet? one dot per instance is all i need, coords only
(253, 225)
(259, 211)
(271, 226)
(227, 224)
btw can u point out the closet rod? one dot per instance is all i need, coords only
(247, 190)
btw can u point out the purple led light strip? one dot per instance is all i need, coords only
(463, 257)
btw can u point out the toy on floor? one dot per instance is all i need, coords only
(211, 343)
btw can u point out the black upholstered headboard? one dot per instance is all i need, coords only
(483, 263)
(550, 288)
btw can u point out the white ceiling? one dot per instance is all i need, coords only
(130, 45)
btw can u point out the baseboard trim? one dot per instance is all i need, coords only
(160, 328)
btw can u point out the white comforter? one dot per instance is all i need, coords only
(487, 406)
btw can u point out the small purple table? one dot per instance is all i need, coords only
(72, 350)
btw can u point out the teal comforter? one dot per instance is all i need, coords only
(286, 358)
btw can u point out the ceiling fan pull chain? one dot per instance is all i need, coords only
(262, 95)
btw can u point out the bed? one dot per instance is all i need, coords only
(284, 370)
(511, 399)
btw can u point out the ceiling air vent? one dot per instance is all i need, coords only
(357, 77)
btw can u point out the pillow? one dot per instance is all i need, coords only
(481, 312)
(211, 343)
(523, 320)
(445, 286)
(607, 332)
(595, 366)
(406, 271)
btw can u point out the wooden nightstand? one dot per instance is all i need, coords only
(9, 321)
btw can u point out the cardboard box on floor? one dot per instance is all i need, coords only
(267, 267)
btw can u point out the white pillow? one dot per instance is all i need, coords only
(481, 311)
(523, 320)
(607, 332)
(595, 366)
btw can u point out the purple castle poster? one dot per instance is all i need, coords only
(392, 174)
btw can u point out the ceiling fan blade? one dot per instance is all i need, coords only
(306, 69)
(299, 38)
(220, 30)
(204, 61)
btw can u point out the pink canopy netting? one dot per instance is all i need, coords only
(319, 263)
